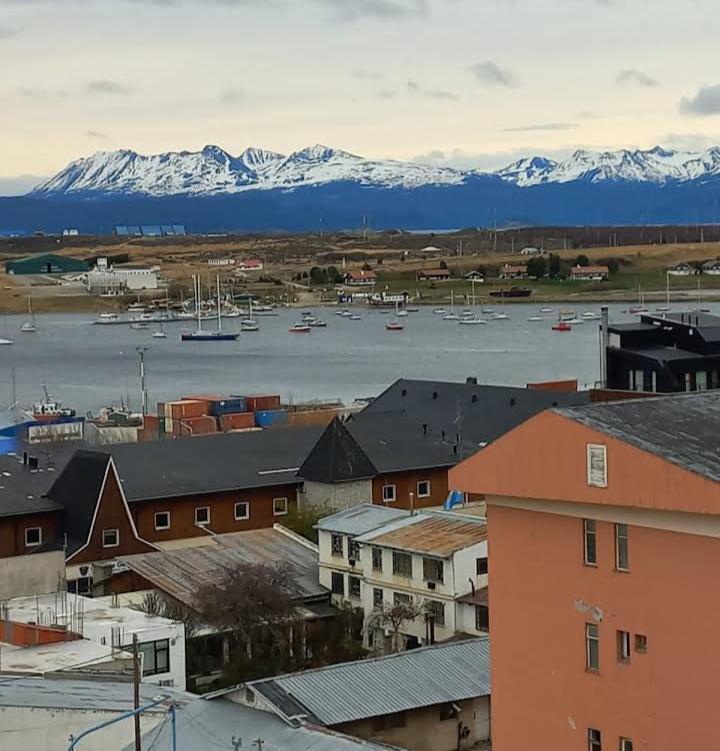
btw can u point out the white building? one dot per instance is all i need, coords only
(105, 279)
(161, 641)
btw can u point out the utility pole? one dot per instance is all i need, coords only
(143, 389)
(136, 692)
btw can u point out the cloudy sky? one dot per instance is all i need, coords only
(460, 82)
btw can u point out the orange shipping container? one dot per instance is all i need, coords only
(181, 410)
(263, 402)
(237, 421)
(195, 426)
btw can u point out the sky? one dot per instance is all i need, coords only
(465, 83)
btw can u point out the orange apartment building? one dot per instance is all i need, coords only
(604, 548)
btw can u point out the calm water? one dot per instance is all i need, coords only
(87, 366)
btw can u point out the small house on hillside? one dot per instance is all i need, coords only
(712, 268)
(513, 272)
(682, 269)
(589, 273)
(360, 278)
(474, 276)
(433, 275)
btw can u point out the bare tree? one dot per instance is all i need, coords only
(393, 617)
(160, 604)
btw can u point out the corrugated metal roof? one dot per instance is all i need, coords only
(431, 532)
(360, 519)
(368, 688)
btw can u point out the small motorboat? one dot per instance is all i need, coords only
(317, 323)
(354, 317)
(346, 313)
(451, 317)
(500, 317)
(249, 325)
(562, 326)
(140, 325)
(4, 341)
(159, 335)
(546, 310)
(589, 315)
(402, 313)
(413, 310)
(663, 308)
(394, 326)
(573, 321)
(536, 318)
(472, 322)
(439, 312)
(300, 328)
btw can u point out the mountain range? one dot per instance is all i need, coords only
(259, 190)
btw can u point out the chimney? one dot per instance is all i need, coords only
(471, 380)
(604, 344)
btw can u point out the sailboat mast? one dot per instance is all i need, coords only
(217, 282)
(667, 288)
(196, 279)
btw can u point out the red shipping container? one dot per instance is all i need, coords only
(263, 402)
(181, 410)
(195, 426)
(237, 421)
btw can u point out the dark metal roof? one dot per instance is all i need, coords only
(337, 457)
(627, 328)
(22, 490)
(662, 354)
(682, 429)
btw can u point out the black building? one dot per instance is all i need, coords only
(675, 352)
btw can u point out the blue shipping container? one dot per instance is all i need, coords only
(8, 445)
(271, 418)
(228, 406)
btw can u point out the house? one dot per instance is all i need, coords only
(360, 278)
(589, 273)
(433, 275)
(530, 251)
(615, 508)
(40, 713)
(250, 264)
(682, 269)
(45, 263)
(61, 630)
(428, 561)
(669, 353)
(512, 272)
(429, 699)
(712, 268)
(474, 276)
(104, 278)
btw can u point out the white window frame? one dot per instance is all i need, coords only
(202, 508)
(593, 480)
(280, 513)
(117, 538)
(623, 646)
(592, 635)
(394, 494)
(247, 510)
(429, 489)
(162, 527)
(626, 744)
(594, 744)
(40, 537)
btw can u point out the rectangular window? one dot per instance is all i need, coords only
(640, 643)
(481, 566)
(33, 537)
(354, 587)
(280, 506)
(338, 584)
(155, 656)
(639, 379)
(337, 545)
(353, 549)
(482, 618)
(377, 556)
(448, 712)
(597, 465)
(590, 542)
(423, 489)
(162, 520)
(399, 598)
(433, 570)
(242, 510)
(402, 564)
(110, 538)
(202, 515)
(623, 646)
(626, 744)
(594, 740)
(437, 611)
(388, 493)
(378, 598)
(701, 380)
(592, 646)
(622, 560)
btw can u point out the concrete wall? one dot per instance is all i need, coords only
(338, 497)
(107, 436)
(425, 731)
(36, 574)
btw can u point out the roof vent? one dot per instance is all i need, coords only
(473, 399)
(512, 401)
(471, 380)
(403, 392)
(435, 395)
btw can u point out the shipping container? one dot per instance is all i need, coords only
(229, 406)
(237, 421)
(191, 426)
(271, 418)
(262, 402)
(181, 410)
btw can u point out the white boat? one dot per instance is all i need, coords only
(487, 311)
(439, 311)
(499, 316)
(536, 318)
(589, 315)
(6, 341)
(546, 310)
(317, 323)
(29, 326)
(573, 321)
(402, 313)
(249, 324)
(354, 317)
(159, 335)
(452, 315)
(140, 325)
(472, 322)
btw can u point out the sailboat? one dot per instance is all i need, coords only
(249, 324)
(29, 326)
(700, 307)
(666, 307)
(472, 319)
(207, 336)
(452, 315)
(394, 325)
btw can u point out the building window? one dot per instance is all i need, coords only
(377, 556)
(433, 570)
(156, 656)
(242, 510)
(378, 598)
(354, 587)
(701, 380)
(162, 520)
(481, 566)
(590, 542)
(353, 549)
(594, 740)
(436, 610)
(337, 584)
(402, 564)
(623, 646)
(622, 561)
(110, 538)
(81, 586)
(388, 493)
(640, 643)
(482, 618)
(202, 515)
(280, 506)
(597, 465)
(400, 598)
(448, 712)
(423, 489)
(592, 646)
(337, 545)
(626, 744)
(33, 537)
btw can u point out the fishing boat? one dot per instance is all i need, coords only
(562, 326)
(207, 336)
(300, 328)
(29, 326)
(49, 410)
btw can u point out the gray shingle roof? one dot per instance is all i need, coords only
(682, 429)
(360, 519)
(22, 490)
(448, 672)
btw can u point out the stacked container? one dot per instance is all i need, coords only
(271, 418)
(237, 421)
(262, 402)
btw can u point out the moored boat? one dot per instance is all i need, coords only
(562, 326)
(300, 328)
(394, 326)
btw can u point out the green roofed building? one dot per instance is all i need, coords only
(45, 263)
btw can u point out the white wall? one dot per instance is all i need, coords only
(339, 496)
(36, 574)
